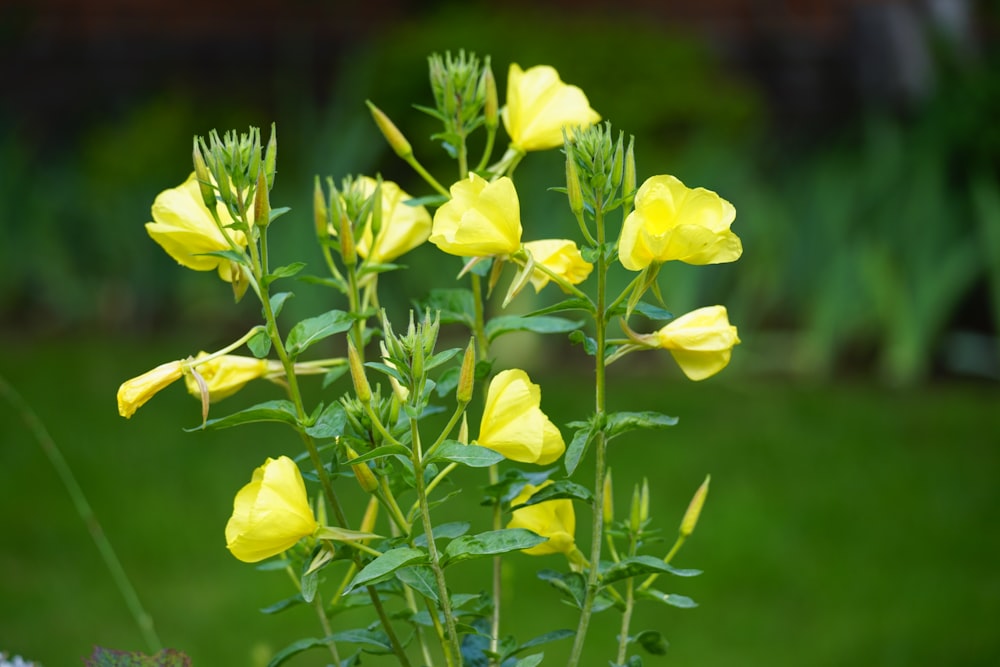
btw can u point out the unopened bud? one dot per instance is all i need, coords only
(361, 386)
(261, 202)
(491, 107)
(644, 501)
(573, 190)
(616, 163)
(364, 475)
(694, 509)
(463, 430)
(389, 130)
(635, 511)
(467, 375)
(608, 507)
(371, 514)
(348, 251)
(271, 158)
(320, 211)
(204, 177)
(628, 175)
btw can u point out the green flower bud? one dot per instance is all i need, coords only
(694, 509)
(467, 374)
(391, 133)
(361, 386)
(271, 157)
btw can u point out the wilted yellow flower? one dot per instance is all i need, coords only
(553, 519)
(133, 393)
(540, 105)
(404, 227)
(672, 221)
(183, 226)
(271, 513)
(560, 256)
(224, 375)
(701, 342)
(481, 219)
(513, 423)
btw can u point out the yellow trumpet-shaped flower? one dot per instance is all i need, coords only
(672, 221)
(133, 393)
(224, 375)
(553, 519)
(560, 256)
(271, 513)
(404, 227)
(183, 226)
(513, 423)
(481, 219)
(540, 105)
(701, 342)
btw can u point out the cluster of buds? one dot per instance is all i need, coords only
(465, 92)
(598, 167)
(237, 168)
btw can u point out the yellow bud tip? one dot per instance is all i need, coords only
(389, 130)
(694, 509)
(361, 386)
(467, 374)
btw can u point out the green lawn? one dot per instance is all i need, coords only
(846, 525)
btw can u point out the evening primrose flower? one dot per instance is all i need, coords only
(481, 219)
(672, 221)
(183, 226)
(226, 374)
(271, 513)
(553, 519)
(540, 105)
(513, 423)
(135, 392)
(701, 342)
(560, 256)
(403, 228)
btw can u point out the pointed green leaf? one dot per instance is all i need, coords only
(379, 452)
(375, 638)
(446, 531)
(622, 422)
(259, 344)
(579, 445)
(652, 312)
(530, 661)
(269, 411)
(553, 636)
(314, 329)
(278, 301)
(440, 358)
(633, 567)
(282, 605)
(572, 584)
(652, 641)
(473, 456)
(589, 344)
(568, 304)
(383, 566)
(498, 326)
(490, 543)
(421, 579)
(673, 599)
(295, 648)
(283, 272)
(330, 423)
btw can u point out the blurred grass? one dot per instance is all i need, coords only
(846, 524)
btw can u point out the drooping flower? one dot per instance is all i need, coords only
(183, 226)
(224, 375)
(132, 394)
(560, 256)
(701, 342)
(553, 519)
(481, 219)
(540, 105)
(674, 222)
(404, 227)
(513, 423)
(271, 513)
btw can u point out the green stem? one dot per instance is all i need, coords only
(424, 174)
(626, 621)
(397, 647)
(327, 630)
(666, 559)
(497, 572)
(86, 513)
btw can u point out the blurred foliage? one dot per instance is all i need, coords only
(867, 251)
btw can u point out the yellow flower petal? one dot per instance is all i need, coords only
(135, 392)
(540, 105)
(560, 256)
(482, 219)
(225, 375)
(404, 227)
(554, 519)
(271, 513)
(513, 423)
(701, 342)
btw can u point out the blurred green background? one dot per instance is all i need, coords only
(852, 442)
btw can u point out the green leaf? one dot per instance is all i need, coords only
(562, 488)
(447, 531)
(553, 636)
(330, 423)
(440, 358)
(383, 566)
(168, 657)
(456, 306)
(269, 411)
(295, 648)
(652, 641)
(530, 661)
(309, 581)
(473, 456)
(283, 272)
(633, 567)
(314, 329)
(278, 302)
(277, 213)
(379, 452)
(282, 605)
(622, 422)
(572, 584)
(447, 381)
(259, 344)
(503, 324)
(579, 445)
(568, 304)
(376, 638)
(589, 344)
(490, 543)
(673, 599)
(334, 374)
(652, 312)
(421, 579)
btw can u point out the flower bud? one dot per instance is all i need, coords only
(271, 157)
(133, 393)
(573, 190)
(391, 133)
(348, 251)
(491, 106)
(644, 501)
(362, 389)
(364, 475)
(467, 375)
(694, 509)
(616, 163)
(321, 215)
(261, 202)
(628, 175)
(635, 511)
(608, 507)
(204, 177)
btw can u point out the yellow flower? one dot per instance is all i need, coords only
(701, 342)
(560, 256)
(480, 220)
(184, 228)
(133, 393)
(403, 228)
(540, 105)
(271, 513)
(553, 519)
(672, 221)
(224, 375)
(513, 423)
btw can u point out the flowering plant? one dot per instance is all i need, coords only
(374, 425)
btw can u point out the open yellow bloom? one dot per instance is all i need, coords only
(183, 226)
(672, 221)
(133, 393)
(513, 423)
(701, 342)
(403, 228)
(553, 519)
(271, 513)
(540, 105)
(225, 375)
(560, 256)
(481, 219)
